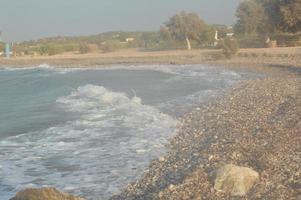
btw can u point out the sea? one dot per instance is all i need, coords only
(90, 131)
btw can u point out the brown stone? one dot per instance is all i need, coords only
(235, 180)
(44, 194)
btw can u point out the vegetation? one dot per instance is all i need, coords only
(258, 21)
(83, 48)
(261, 20)
(2, 47)
(268, 16)
(207, 37)
(250, 17)
(184, 26)
(230, 47)
(109, 46)
(282, 15)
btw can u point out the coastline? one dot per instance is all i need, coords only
(255, 124)
(255, 57)
(124, 57)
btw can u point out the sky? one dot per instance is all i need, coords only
(32, 19)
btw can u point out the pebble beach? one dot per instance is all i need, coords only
(255, 125)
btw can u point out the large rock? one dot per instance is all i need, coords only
(235, 180)
(44, 194)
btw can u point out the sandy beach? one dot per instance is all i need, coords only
(275, 56)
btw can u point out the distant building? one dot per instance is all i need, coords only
(230, 34)
(216, 38)
(7, 48)
(129, 39)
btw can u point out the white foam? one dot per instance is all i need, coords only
(178, 71)
(47, 68)
(42, 66)
(112, 132)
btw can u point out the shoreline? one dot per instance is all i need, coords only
(276, 56)
(255, 124)
(125, 57)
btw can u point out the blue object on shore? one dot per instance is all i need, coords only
(7, 50)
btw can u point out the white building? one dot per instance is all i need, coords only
(129, 39)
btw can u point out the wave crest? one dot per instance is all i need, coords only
(90, 97)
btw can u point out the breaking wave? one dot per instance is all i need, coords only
(108, 144)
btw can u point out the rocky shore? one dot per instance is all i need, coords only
(257, 125)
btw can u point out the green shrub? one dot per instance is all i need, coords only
(50, 49)
(229, 47)
(43, 50)
(287, 39)
(2, 47)
(83, 48)
(110, 46)
(70, 47)
(251, 41)
(54, 50)
(106, 48)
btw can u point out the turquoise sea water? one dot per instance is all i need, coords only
(92, 131)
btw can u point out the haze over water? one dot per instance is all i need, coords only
(92, 131)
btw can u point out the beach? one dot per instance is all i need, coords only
(256, 124)
(268, 56)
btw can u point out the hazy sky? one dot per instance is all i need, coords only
(32, 19)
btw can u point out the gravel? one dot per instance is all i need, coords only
(256, 125)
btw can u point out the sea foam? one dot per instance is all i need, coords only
(108, 144)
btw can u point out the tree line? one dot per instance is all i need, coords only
(268, 17)
(183, 30)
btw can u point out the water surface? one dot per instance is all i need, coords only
(92, 131)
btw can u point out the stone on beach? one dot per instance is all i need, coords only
(257, 125)
(235, 180)
(44, 194)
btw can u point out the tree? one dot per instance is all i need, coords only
(290, 11)
(184, 26)
(207, 37)
(222, 30)
(149, 38)
(2, 47)
(272, 15)
(50, 49)
(165, 33)
(43, 50)
(250, 16)
(83, 48)
(109, 46)
(281, 15)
